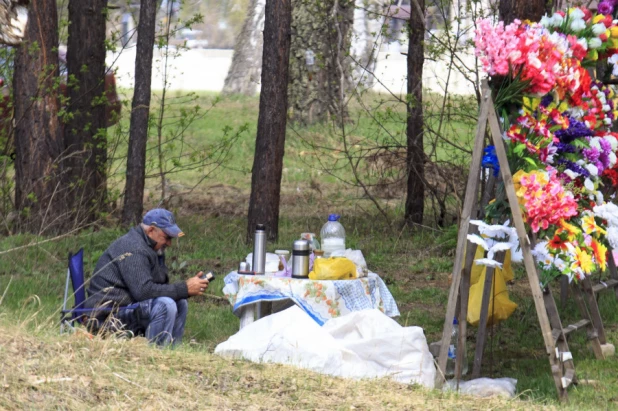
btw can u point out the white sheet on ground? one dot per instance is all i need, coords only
(363, 344)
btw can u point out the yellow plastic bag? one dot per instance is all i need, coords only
(500, 306)
(334, 268)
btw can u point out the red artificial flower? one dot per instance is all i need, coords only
(557, 243)
(608, 21)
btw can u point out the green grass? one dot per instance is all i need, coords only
(414, 264)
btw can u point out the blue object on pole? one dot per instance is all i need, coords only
(490, 160)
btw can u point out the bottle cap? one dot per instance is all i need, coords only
(333, 217)
(260, 227)
(455, 322)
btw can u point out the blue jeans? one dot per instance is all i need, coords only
(161, 320)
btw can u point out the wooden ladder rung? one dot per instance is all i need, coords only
(574, 327)
(605, 285)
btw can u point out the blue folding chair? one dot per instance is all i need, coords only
(78, 313)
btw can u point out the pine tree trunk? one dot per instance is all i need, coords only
(140, 110)
(415, 199)
(38, 136)
(244, 73)
(533, 10)
(323, 28)
(85, 136)
(270, 141)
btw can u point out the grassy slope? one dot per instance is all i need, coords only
(41, 370)
(414, 265)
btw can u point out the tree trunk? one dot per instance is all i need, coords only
(85, 137)
(368, 20)
(270, 141)
(415, 199)
(38, 136)
(244, 73)
(140, 109)
(323, 29)
(533, 10)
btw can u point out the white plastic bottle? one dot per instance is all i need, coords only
(332, 236)
(452, 353)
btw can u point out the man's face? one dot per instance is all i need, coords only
(162, 239)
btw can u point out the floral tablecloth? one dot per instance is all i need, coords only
(322, 300)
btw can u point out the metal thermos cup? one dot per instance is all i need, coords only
(300, 259)
(259, 250)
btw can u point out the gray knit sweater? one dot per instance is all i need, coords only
(131, 271)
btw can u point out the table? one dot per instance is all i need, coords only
(321, 300)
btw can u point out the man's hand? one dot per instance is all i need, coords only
(196, 285)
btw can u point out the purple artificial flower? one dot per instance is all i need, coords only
(605, 7)
(591, 154)
(604, 159)
(547, 99)
(576, 130)
(606, 146)
(574, 167)
(564, 148)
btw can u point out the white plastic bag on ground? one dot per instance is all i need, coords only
(288, 337)
(363, 344)
(485, 387)
(382, 347)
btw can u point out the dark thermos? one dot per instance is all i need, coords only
(259, 250)
(300, 259)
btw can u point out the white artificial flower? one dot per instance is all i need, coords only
(557, 20)
(576, 112)
(612, 159)
(589, 184)
(598, 29)
(594, 171)
(600, 199)
(612, 140)
(577, 25)
(612, 236)
(606, 107)
(607, 121)
(608, 212)
(576, 13)
(595, 43)
(582, 42)
(572, 174)
(488, 262)
(594, 143)
(546, 21)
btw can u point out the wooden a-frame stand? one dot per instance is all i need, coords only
(554, 335)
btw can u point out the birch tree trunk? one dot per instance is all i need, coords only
(244, 73)
(323, 30)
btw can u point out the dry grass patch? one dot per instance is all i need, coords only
(41, 370)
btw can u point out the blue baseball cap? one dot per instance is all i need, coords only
(163, 219)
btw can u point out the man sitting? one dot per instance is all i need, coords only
(132, 270)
